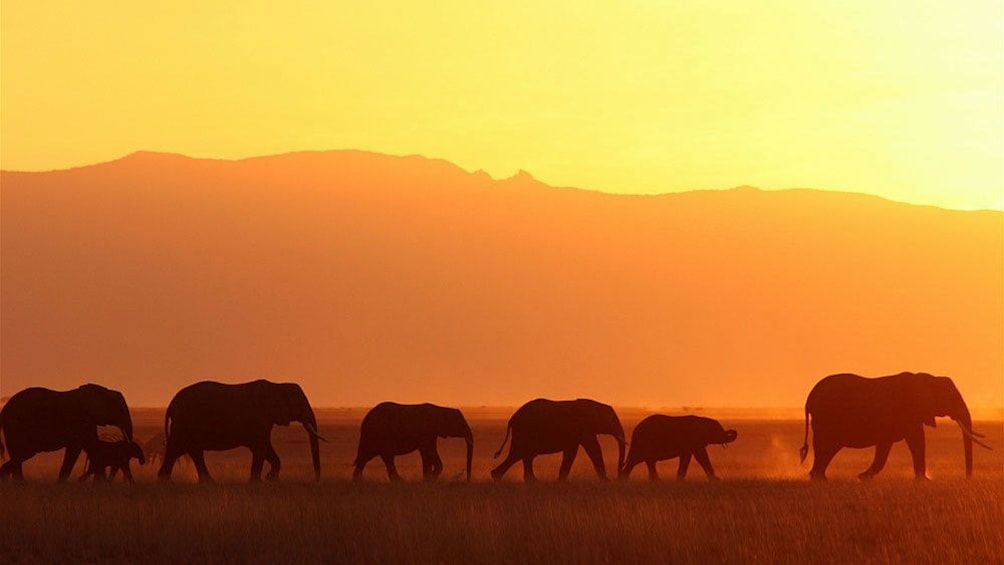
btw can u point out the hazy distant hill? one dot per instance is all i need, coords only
(368, 277)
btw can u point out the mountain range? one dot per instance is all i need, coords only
(368, 277)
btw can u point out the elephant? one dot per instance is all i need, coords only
(660, 437)
(214, 416)
(544, 426)
(113, 455)
(37, 419)
(391, 429)
(849, 410)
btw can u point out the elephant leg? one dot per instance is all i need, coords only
(69, 460)
(528, 476)
(500, 471)
(126, 474)
(702, 458)
(915, 441)
(592, 447)
(653, 475)
(881, 455)
(171, 455)
(630, 464)
(257, 462)
(12, 468)
(199, 458)
(388, 461)
(432, 465)
(274, 464)
(823, 454)
(357, 474)
(681, 471)
(567, 458)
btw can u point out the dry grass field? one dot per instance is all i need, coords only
(764, 509)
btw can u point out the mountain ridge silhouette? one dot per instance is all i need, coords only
(150, 156)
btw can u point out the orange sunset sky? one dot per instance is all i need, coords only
(901, 98)
(332, 193)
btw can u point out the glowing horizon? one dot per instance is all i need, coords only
(900, 100)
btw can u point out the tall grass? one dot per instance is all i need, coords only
(735, 521)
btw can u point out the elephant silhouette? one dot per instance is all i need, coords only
(849, 410)
(214, 416)
(659, 437)
(114, 456)
(544, 426)
(37, 420)
(392, 429)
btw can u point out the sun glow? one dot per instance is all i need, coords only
(902, 99)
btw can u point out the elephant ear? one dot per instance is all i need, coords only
(920, 399)
(271, 403)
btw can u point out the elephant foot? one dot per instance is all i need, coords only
(817, 476)
(496, 475)
(923, 478)
(866, 476)
(713, 478)
(272, 477)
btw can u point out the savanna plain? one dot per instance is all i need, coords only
(763, 510)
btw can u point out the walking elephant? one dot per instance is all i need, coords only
(37, 419)
(853, 411)
(215, 417)
(392, 429)
(544, 426)
(114, 456)
(661, 437)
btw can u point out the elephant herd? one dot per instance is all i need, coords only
(845, 410)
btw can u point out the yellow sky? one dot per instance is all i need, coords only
(902, 99)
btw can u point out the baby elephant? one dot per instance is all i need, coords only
(114, 455)
(661, 437)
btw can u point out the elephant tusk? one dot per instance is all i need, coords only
(973, 435)
(313, 430)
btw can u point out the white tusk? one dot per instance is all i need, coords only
(972, 436)
(313, 430)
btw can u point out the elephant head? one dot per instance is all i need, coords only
(105, 407)
(601, 418)
(933, 397)
(718, 434)
(450, 422)
(284, 403)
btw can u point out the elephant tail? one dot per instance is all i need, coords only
(167, 424)
(804, 451)
(504, 440)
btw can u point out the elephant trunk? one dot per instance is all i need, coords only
(469, 438)
(621, 447)
(965, 421)
(126, 427)
(310, 423)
